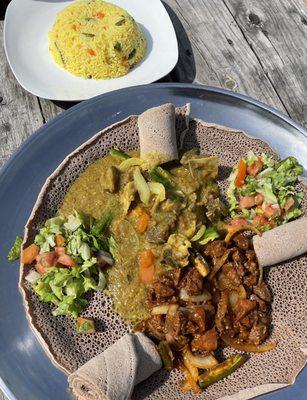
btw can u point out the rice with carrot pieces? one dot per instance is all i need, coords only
(96, 39)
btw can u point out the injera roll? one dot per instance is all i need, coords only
(281, 243)
(287, 281)
(157, 132)
(113, 374)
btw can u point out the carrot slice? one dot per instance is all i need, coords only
(29, 254)
(239, 181)
(60, 240)
(143, 222)
(100, 14)
(142, 219)
(91, 52)
(147, 266)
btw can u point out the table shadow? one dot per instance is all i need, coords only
(185, 69)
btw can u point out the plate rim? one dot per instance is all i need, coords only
(83, 104)
(4, 170)
(38, 93)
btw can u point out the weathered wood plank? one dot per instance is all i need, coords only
(277, 33)
(19, 111)
(219, 50)
(49, 109)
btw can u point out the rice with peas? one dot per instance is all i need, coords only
(96, 39)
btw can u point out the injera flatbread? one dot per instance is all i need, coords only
(273, 247)
(287, 281)
(157, 133)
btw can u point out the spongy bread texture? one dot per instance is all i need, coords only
(273, 246)
(157, 132)
(287, 281)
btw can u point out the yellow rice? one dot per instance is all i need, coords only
(96, 39)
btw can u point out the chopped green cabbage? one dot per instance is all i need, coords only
(210, 234)
(276, 183)
(65, 288)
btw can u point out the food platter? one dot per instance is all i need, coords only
(25, 369)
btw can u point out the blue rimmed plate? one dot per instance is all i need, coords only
(25, 369)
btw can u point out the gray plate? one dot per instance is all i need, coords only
(26, 371)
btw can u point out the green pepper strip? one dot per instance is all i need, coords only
(157, 176)
(166, 355)
(221, 370)
(120, 155)
(100, 225)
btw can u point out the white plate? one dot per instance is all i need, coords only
(26, 27)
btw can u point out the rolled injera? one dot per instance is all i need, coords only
(157, 132)
(113, 374)
(282, 243)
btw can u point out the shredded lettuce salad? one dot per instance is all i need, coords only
(87, 243)
(275, 182)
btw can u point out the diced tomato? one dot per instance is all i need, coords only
(60, 240)
(238, 222)
(29, 254)
(40, 269)
(272, 210)
(239, 181)
(260, 220)
(60, 250)
(48, 259)
(247, 202)
(289, 203)
(91, 52)
(255, 168)
(259, 199)
(66, 260)
(81, 321)
(100, 14)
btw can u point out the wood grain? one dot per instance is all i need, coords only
(222, 55)
(276, 32)
(20, 114)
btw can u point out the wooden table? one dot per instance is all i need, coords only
(254, 47)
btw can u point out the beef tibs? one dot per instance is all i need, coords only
(194, 310)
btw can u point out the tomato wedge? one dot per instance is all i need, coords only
(67, 261)
(47, 259)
